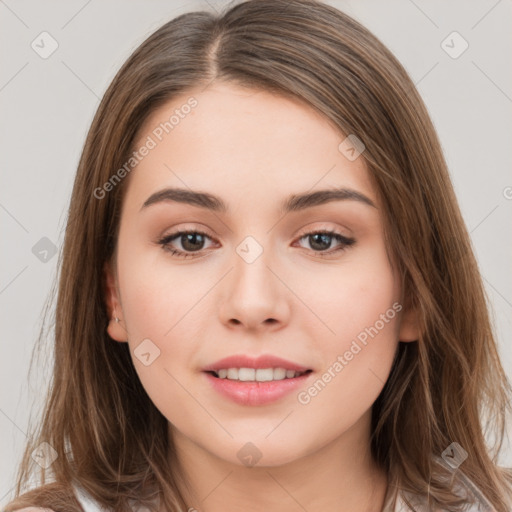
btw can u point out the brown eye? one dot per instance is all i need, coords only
(191, 241)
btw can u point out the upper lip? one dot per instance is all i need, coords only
(263, 361)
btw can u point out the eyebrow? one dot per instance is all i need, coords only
(294, 203)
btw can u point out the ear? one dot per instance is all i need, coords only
(409, 326)
(116, 328)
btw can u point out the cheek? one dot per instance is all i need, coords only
(158, 304)
(156, 294)
(359, 310)
(350, 298)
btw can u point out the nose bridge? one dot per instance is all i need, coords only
(252, 276)
(255, 294)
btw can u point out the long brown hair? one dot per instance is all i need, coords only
(107, 433)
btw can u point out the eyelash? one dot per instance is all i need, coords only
(165, 241)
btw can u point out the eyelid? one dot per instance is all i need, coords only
(187, 227)
(324, 226)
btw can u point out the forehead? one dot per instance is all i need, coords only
(242, 144)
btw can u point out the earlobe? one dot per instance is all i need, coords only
(409, 326)
(115, 327)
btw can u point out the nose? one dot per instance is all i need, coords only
(254, 297)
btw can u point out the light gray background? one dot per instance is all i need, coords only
(48, 104)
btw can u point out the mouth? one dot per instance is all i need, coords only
(254, 387)
(248, 380)
(257, 374)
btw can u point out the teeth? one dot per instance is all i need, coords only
(258, 375)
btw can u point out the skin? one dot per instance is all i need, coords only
(254, 149)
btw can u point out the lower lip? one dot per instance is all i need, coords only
(256, 393)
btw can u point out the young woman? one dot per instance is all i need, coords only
(267, 296)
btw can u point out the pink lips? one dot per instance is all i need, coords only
(255, 393)
(263, 361)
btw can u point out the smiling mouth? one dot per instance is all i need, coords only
(257, 375)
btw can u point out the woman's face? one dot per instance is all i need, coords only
(256, 278)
